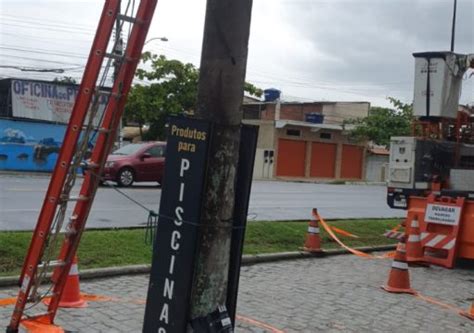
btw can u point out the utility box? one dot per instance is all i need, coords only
(402, 162)
(462, 180)
(415, 162)
(438, 78)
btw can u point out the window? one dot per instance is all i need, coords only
(325, 135)
(293, 132)
(156, 151)
(129, 149)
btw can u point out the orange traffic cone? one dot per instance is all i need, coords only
(469, 314)
(71, 297)
(313, 239)
(414, 247)
(399, 278)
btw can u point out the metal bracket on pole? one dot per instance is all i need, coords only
(215, 322)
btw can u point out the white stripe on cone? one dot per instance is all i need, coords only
(74, 270)
(399, 265)
(313, 230)
(415, 224)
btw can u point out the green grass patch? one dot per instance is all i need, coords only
(105, 248)
(268, 237)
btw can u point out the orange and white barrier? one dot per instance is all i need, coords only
(440, 225)
(445, 242)
(391, 234)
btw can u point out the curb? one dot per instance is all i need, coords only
(16, 173)
(247, 260)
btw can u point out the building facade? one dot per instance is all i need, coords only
(377, 164)
(307, 141)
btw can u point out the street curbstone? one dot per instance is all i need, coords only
(247, 260)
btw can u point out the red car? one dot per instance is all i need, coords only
(136, 162)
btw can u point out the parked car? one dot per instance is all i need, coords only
(136, 162)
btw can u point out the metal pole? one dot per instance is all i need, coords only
(453, 29)
(220, 94)
(118, 49)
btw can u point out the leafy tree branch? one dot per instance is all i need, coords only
(173, 90)
(383, 123)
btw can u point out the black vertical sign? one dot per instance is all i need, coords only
(248, 145)
(172, 266)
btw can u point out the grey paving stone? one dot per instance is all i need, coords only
(334, 294)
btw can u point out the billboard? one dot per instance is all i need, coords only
(48, 101)
(27, 146)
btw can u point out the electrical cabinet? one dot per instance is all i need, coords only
(438, 79)
(415, 163)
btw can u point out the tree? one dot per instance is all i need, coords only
(173, 91)
(65, 79)
(383, 123)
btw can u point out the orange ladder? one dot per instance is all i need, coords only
(85, 120)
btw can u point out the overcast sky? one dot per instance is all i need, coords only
(352, 50)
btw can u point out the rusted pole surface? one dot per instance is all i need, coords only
(220, 94)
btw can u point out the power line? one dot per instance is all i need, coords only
(41, 60)
(56, 22)
(49, 40)
(46, 28)
(306, 85)
(300, 82)
(39, 51)
(8, 21)
(294, 81)
(33, 69)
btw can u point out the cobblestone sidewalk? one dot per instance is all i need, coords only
(334, 294)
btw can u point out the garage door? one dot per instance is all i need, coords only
(351, 167)
(323, 160)
(291, 157)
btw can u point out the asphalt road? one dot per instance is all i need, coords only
(21, 197)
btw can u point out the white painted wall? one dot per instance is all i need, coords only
(376, 169)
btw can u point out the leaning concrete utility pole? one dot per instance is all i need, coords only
(220, 94)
